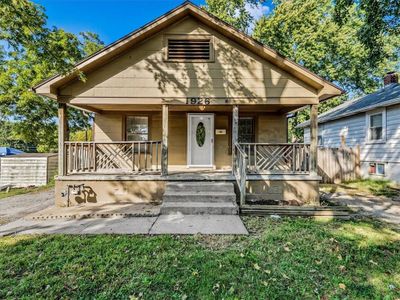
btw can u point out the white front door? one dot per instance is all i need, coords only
(200, 140)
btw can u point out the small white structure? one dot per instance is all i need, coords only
(28, 169)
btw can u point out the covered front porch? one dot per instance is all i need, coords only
(260, 170)
(253, 140)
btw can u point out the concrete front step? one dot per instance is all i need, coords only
(197, 208)
(199, 186)
(199, 196)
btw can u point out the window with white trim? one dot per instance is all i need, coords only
(376, 169)
(376, 126)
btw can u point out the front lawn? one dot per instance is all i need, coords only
(20, 191)
(286, 259)
(364, 187)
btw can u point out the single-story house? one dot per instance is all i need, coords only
(187, 108)
(373, 123)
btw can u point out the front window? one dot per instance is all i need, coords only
(137, 128)
(246, 132)
(376, 126)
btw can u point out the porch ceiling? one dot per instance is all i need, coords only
(104, 108)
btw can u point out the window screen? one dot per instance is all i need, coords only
(246, 132)
(376, 127)
(137, 128)
(183, 49)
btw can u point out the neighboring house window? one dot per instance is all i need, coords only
(376, 169)
(246, 130)
(195, 49)
(376, 126)
(320, 140)
(137, 128)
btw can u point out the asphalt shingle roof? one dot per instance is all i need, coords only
(388, 95)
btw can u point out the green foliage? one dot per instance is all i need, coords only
(284, 259)
(233, 12)
(81, 135)
(27, 190)
(381, 19)
(306, 32)
(32, 53)
(375, 187)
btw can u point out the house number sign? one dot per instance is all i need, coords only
(198, 101)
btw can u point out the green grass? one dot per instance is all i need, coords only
(368, 187)
(283, 259)
(20, 191)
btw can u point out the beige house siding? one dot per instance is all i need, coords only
(108, 128)
(143, 72)
(270, 128)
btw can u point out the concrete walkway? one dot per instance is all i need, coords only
(164, 224)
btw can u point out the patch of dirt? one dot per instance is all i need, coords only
(16, 207)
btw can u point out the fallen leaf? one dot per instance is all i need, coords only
(342, 268)
(342, 286)
(265, 283)
(286, 248)
(256, 266)
(267, 271)
(372, 262)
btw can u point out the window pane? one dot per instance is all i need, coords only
(136, 137)
(372, 168)
(376, 133)
(376, 121)
(137, 128)
(246, 130)
(380, 169)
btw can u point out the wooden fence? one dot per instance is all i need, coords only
(336, 165)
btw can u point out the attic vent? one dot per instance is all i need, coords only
(184, 49)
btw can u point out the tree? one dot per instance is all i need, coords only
(234, 12)
(381, 18)
(32, 53)
(306, 32)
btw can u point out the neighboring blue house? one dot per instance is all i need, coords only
(373, 122)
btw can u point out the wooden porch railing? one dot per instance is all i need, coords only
(282, 158)
(113, 157)
(239, 170)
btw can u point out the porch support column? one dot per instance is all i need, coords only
(235, 132)
(62, 137)
(164, 148)
(314, 139)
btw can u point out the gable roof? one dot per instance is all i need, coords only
(326, 89)
(386, 96)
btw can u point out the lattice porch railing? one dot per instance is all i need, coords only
(282, 158)
(113, 157)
